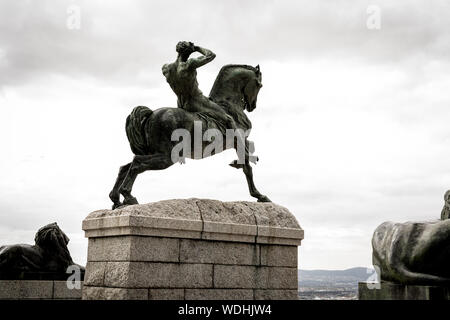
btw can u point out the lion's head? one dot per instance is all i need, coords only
(53, 241)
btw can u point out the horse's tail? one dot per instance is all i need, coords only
(135, 128)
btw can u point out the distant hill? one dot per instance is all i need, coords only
(334, 278)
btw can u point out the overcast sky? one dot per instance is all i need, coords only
(352, 126)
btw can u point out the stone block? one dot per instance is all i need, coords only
(119, 274)
(133, 248)
(102, 293)
(26, 289)
(158, 275)
(95, 273)
(219, 294)
(234, 276)
(166, 294)
(219, 252)
(61, 291)
(255, 277)
(286, 294)
(109, 248)
(154, 249)
(276, 255)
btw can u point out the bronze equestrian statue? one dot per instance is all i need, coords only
(150, 131)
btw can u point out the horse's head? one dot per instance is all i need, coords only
(238, 85)
(251, 90)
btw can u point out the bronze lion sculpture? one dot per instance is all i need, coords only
(413, 252)
(47, 259)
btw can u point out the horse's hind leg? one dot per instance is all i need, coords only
(141, 164)
(114, 195)
(248, 171)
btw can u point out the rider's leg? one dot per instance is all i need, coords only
(239, 134)
(212, 107)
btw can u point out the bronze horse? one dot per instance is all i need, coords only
(149, 132)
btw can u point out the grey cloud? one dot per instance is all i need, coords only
(127, 45)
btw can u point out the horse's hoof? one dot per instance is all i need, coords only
(130, 201)
(264, 199)
(117, 205)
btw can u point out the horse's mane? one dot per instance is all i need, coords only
(224, 71)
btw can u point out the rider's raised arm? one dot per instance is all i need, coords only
(207, 56)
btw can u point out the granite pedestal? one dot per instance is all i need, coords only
(192, 249)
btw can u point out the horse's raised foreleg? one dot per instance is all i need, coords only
(246, 156)
(114, 195)
(141, 164)
(251, 184)
(248, 171)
